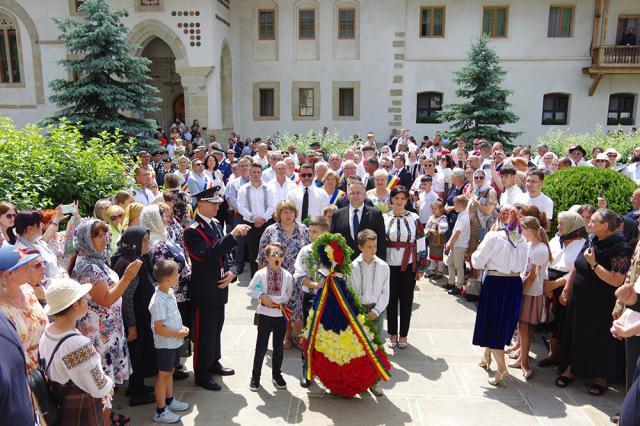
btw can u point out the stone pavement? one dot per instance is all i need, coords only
(435, 381)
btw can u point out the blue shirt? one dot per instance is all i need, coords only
(164, 307)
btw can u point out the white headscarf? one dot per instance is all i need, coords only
(151, 219)
(485, 183)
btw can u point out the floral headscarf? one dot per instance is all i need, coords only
(485, 182)
(88, 256)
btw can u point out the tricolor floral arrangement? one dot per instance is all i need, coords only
(341, 344)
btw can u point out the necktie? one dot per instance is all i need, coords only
(356, 224)
(305, 205)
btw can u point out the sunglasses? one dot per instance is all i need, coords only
(611, 155)
(278, 254)
(10, 215)
(478, 177)
(198, 165)
(306, 174)
(116, 217)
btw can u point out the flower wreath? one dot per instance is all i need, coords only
(341, 345)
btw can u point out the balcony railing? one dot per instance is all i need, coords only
(619, 56)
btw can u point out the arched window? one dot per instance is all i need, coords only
(9, 51)
(429, 104)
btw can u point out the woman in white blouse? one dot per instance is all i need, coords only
(565, 247)
(74, 367)
(404, 231)
(502, 255)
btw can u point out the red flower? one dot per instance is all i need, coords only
(338, 255)
(350, 379)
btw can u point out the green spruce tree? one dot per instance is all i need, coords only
(486, 108)
(111, 84)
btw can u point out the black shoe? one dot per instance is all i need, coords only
(547, 362)
(208, 384)
(304, 382)
(279, 382)
(180, 375)
(223, 371)
(615, 418)
(135, 401)
(454, 291)
(180, 367)
(471, 297)
(448, 286)
(147, 389)
(254, 385)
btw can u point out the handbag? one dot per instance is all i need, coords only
(39, 384)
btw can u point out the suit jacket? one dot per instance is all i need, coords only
(371, 219)
(370, 184)
(405, 178)
(208, 250)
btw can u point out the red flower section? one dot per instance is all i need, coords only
(350, 379)
(338, 256)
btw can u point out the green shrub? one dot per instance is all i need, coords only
(560, 139)
(43, 168)
(583, 185)
(332, 143)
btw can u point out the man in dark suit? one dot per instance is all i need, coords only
(210, 279)
(357, 216)
(371, 166)
(403, 174)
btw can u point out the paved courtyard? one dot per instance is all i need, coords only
(435, 381)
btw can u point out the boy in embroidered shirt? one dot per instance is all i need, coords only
(370, 281)
(272, 286)
(168, 335)
(318, 225)
(457, 245)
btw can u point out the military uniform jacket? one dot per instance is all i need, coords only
(209, 253)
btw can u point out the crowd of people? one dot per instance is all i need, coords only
(142, 283)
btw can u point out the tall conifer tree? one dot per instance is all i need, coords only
(110, 85)
(486, 109)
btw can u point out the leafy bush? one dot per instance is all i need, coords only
(332, 143)
(560, 139)
(41, 169)
(623, 121)
(583, 185)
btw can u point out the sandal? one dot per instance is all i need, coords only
(563, 381)
(402, 345)
(286, 344)
(119, 419)
(392, 344)
(597, 389)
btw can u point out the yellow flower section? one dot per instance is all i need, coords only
(342, 347)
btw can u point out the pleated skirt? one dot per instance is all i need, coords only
(498, 311)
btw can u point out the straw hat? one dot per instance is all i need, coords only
(613, 151)
(62, 293)
(602, 157)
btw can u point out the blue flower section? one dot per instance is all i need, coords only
(332, 317)
(323, 257)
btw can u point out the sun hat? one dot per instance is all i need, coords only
(602, 157)
(62, 293)
(11, 257)
(612, 151)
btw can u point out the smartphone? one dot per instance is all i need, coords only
(68, 208)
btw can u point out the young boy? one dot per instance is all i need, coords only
(318, 225)
(457, 245)
(273, 287)
(370, 281)
(168, 335)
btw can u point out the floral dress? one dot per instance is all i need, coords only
(381, 203)
(104, 326)
(168, 250)
(292, 245)
(29, 322)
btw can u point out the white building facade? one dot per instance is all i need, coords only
(261, 66)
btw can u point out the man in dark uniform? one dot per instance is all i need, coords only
(210, 279)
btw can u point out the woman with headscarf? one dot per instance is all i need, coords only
(114, 217)
(483, 213)
(163, 248)
(133, 245)
(502, 255)
(103, 322)
(565, 247)
(587, 347)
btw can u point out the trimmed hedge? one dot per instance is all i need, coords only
(43, 168)
(583, 185)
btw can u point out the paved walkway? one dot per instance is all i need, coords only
(436, 381)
